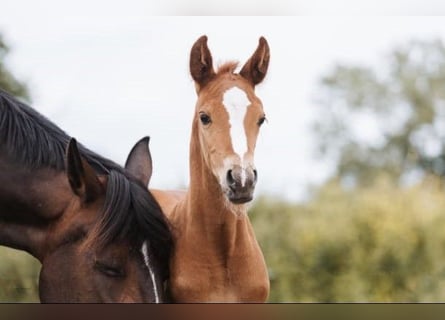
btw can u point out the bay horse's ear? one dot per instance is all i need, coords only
(201, 63)
(256, 67)
(139, 162)
(81, 175)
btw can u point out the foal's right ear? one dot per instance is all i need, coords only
(255, 68)
(81, 175)
(139, 162)
(201, 63)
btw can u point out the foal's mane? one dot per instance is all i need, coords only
(227, 67)
(129, 212)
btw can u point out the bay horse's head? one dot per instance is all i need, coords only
(111, 244)
(228, 117)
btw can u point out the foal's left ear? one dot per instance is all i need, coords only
(81, 175)
(201, 63)
(256, 67)
(139, 162)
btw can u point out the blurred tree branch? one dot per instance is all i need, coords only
(7, 81)
(403, 101)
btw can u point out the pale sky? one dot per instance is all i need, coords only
(109, 74)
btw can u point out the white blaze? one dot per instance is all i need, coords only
(152, 275)
(236, 103)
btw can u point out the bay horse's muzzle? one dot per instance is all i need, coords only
(241, 182)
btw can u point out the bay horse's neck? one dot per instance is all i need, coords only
(28, 203)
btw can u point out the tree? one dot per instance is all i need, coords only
(387, 119)
(7, 81)
(379, 243)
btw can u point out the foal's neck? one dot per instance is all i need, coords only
(208, 208)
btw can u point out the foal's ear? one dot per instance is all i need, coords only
(256, 67)
(81, 175)
(139, 162)
(201, 63)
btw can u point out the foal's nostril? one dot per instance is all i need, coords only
(255, 173)
(230, 179)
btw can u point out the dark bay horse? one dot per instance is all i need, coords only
(216, 255)
(98, 233)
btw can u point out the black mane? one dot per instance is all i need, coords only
(130, 211)
(32, 140)
(125, 196)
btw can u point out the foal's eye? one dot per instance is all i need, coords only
(205, 118)
(261, 120)
(108, 270)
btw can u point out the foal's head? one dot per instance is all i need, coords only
(228, 117)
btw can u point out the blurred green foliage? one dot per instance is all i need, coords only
(8, 82)
(378, 243)
(19, 273)
(389, 117)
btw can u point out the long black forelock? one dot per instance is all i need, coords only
(130, 212)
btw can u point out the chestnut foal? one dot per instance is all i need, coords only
(216, 256)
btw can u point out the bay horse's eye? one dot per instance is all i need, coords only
(205, 118)
(261, 121)
(108, 270)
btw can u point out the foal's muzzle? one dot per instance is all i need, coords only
(241, 184)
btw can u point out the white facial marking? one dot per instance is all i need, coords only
(236, 103)
(243, 176)
(144, 251)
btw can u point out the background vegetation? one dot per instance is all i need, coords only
(7, 80)
(374, 231)
(379, 243)
(19, 274)
(389, 118)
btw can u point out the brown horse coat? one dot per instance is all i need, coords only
(216, 256)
